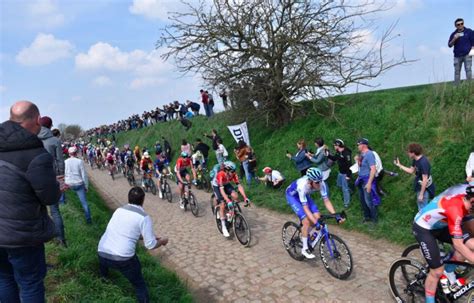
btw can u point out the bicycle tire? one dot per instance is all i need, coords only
(168, 194)
(153, 187)
(242, 230)
(291, 237)
(193, 204)
(411, 290)
(341, 256)
(211, 200)
(112, 175)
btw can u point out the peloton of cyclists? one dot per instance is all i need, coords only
(225, 191)
(441, 219)
(181, 170)
(298, 197)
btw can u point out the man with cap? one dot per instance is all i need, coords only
(27, 184)
(76, 179)
(272, 178)
(343, 156)
(462, 39)
(53, 145)
(369, 199)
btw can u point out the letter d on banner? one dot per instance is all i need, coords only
(240, 132)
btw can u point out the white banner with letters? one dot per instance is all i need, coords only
(240, 132)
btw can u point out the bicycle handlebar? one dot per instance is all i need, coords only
(323, 218)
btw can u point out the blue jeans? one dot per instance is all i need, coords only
(426, 199)
(248, 173)
(81, 193)
(132, 270)
(58, 221)
(369, 210)
(458, 61)
(62, 199)
(344, 185)
(22, 271)
(208, 110)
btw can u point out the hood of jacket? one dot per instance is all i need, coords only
(45, 133)
(13, 137)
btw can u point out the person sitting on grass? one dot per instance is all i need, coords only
(272, 178)
(117, 245)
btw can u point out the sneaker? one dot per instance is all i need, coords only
(307, 254)
(181, 204)
(225, 232)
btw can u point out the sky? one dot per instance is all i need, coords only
(93, 62)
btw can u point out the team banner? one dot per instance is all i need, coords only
(240, 132)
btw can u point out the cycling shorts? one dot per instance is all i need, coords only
(183, 173)
(297, 207)
(228, 189)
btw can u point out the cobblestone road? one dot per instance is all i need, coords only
(221, 270)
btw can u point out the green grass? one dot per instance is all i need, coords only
(437, 116)
(75, 276)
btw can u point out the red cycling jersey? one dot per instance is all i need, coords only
(444, 211)
(222, 178)
(183, 163)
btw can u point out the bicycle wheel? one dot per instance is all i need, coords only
(242, 229)
(291, 237)
(411, 290)
(336, 256)
(167, 193)
(193, 204)
(153, 187)
(112, 175)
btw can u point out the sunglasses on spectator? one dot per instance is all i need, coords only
(459, 24)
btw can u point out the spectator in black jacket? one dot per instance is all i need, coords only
(167, 149)
(27, 184)
(204, 149)
(343, 157)
(214, 137)
(195, 107)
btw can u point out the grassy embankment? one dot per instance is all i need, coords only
(437, 116)
(75, 276)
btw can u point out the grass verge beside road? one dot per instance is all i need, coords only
(75, 275)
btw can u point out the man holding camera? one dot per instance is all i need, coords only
(463, 41)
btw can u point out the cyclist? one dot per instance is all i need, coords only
(441, 219)
(146, 166)
(181, 170)
(110, 159)
(198, 159)
(98, 156)
(298, 197)
(129, 162)
(225, 192)
(160, 168)
(91, 154)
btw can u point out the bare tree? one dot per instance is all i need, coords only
(72, 132)
(277, 52)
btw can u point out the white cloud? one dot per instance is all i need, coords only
(152, 9)
(143, 82)
(102, 81)
(45, 13)
(143, 65)
(44, 49)
(363, 39)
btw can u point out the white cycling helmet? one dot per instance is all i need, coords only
(314, 174)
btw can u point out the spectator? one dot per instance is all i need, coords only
(185, 122)
(221, 152)
(302, 163)
(470, 168)
(27, 184)
(53, 145)
(463, 41)
(211, 102)
(223, 96)
(167, 149)
(118, 244)
(76, 179)
(158, 148)
(252, 162)
(195, 107)
(205, 103)
(272, 178)
(369, 199)
(186, 147)
(379, 173)
(214, 137)
(320, 158)
(204, 149)
(421, 167)
(343, 156)
(242, 153)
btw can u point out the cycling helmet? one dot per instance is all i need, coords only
(146, 155)
(229, 165)
(470, 191)
(314, 174)
(184, 154)
(129, 153)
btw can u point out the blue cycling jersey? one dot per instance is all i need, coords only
(302, 189)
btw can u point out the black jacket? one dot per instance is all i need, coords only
(344, 160)
(27, 184)
(214, 139)
(204, 148)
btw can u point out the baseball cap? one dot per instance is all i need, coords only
(267, 170)
(339, 142)
(363, 141)
(72, 150)
(46, 121)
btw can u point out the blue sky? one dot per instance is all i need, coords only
(92, 62)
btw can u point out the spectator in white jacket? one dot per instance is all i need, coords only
(470, 168)
(75, 178)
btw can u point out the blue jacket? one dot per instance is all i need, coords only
(27, 184)
(463, 44)
(301, 161)
(321, 161)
